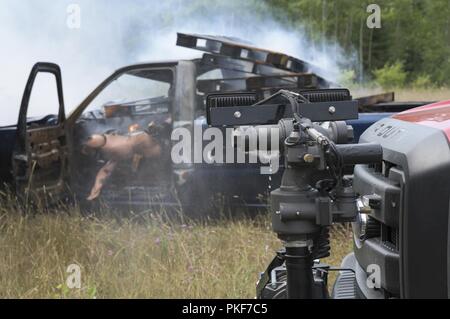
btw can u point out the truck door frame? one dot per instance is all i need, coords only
(40, 146)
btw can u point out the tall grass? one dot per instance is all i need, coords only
(143, 256)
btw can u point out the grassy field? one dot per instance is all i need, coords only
(144, 256)
(135, 256)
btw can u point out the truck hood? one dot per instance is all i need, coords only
(436, 115)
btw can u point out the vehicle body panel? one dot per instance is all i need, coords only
(409, 226)
(435, 115)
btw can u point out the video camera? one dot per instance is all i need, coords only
(314, 191)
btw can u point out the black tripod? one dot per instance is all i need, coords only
(314, 194)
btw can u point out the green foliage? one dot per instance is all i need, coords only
(391, 75)
(347, 78)
(416, 33)
(422, 81)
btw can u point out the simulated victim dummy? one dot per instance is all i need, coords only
(132, 147)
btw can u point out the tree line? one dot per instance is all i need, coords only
(412, 47)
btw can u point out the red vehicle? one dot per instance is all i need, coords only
(405, 229)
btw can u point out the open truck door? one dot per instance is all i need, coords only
(39, 159)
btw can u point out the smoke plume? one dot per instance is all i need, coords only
(116, 33)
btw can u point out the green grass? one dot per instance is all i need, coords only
(135, 256)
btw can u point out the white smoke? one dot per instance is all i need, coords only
(116, 33)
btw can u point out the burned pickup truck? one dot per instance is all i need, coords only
(115, 147)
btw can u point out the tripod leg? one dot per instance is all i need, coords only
(299, 272)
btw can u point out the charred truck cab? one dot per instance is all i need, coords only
(115, 147)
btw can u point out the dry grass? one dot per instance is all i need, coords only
(436, 94)
(135, 257)
(423, 94)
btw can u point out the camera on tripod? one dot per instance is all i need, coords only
(315, 191)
